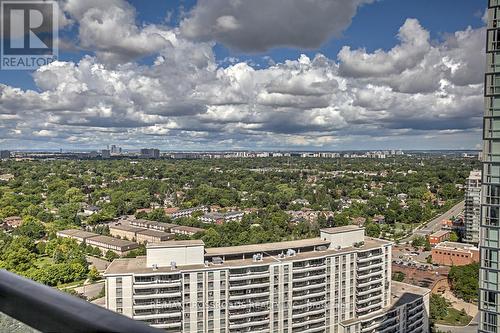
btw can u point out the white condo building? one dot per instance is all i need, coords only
(338, 282)
(472, 216)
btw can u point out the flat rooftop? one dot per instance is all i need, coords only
(113, 241)
(180, 243)
(402, 293)
(77, 233)
(138, 265)
(455, 245)
(125, 227)
(186, 228)
(266, 247)
(339, 230)
(153, 233)
(440, 233)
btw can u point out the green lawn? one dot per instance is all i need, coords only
(455, 318)
(43, 261)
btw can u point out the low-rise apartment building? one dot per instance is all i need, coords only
(185, 230)
(221, 218)
(454, 254)
(104, 243)
(188, 212)
(138, 234)
(152, 236)
(78, 235)
(123, 231)
(339, 282)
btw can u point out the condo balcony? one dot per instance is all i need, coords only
(245, 313)
(157, 284)
(153, 315)
(248, 275)
(309, 276)
(368, 309)
(249, 293)
(309, 284)
(308, 294)
(374, 296)
(368, 290)
(309, 321)
(46, 309)
(249, 323)
(317, 303)
(369, 273)
(309, 268)
(157, 295)
(307, 312)
(249, 285)
(318, 327)
(366, 256)
(364, 282)
(369, 265)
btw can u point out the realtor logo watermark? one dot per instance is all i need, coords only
(28, 34)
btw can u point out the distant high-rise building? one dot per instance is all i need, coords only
(4, 154)
(338, 282)
(105, 153)
(473, 207)
(150, 153)
(489, 275)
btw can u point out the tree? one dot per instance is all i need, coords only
(93, 274)
(453, 237)
(372, 230)
(464, 281)
(438, 307)
(31, 227)
(111, 255)
(398, 276)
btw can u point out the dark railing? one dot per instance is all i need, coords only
(49, 310)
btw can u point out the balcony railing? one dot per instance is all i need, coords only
(49, 310)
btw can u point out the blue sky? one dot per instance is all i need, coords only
(372, 34)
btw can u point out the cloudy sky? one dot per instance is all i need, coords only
(260, 74)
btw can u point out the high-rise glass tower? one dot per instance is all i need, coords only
(489, 296)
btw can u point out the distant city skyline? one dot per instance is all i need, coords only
(218, 75)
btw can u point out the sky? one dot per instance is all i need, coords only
(254, 75)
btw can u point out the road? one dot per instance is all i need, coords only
(91, 290)
(435, 224)
(471, 328)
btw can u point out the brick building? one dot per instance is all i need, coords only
(439, 237)
(454, 254)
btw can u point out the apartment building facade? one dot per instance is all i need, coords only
(489, 297)
(339, 282)
(472, 216)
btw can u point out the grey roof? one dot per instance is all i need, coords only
(124, 244)
(338, 230)
(77, 233)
